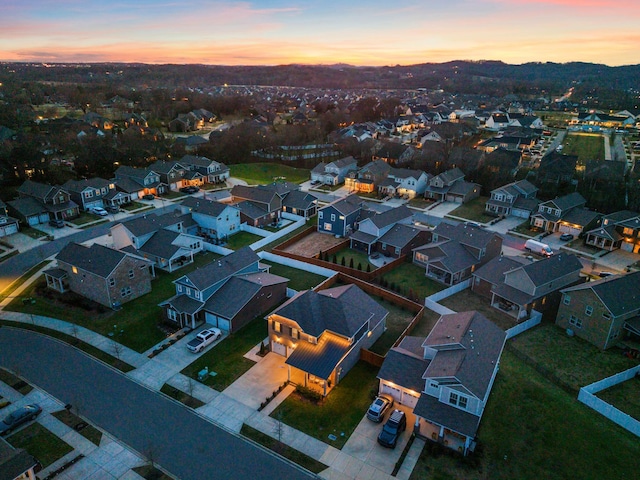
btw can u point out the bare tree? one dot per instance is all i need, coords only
(117, 350)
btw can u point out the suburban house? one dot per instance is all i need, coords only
(456, 251)
(368, 177)
(322, 333)
(216, 221)
(518, 286)
(258, 206)
(107, 276)
(371, 228)
(227, 293)
(497, 121)
(211, 171)
(39, 203)
(303, 204)
(16, 463)
(89, 193)
(334, 173)
(8, 225)
(169, 240)
(617, 230)
(601, 311)
(565, 214)
(401, 240)
(139, 181)
(171, 173)
(403, 182)
(516, 198)
(340, 216)
(557, 168)
(450, 186)
(446, 378)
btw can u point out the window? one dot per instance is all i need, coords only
(566, 299)
(112, 282)
(125, 291)
(327, 227)
(333, 217)
(295, 333)
(74, 269)
(320, 215)
(131, 273)
(458, 400)
(188, 291)
(397, 251)
(588, 310)
(434, 384)
(606, 316)
(462, 402)
(276, 327)
(575, 321)
(179, 288)
(269, 295)
(171, 314)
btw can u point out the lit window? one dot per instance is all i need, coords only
(276, 326)
(74, 269)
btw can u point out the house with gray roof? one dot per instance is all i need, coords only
(216, 220)
(139, 181)
(107, 276)
(303, 204)
(258, 206)
(616, 230)
(39, 203)
(515, 198)
(603, 312)
(368, 177)
(447, 377)
(334, 173)
(340, 216)
(171, 173)
(401, 240)
(8, 225)
(210, 170)
(404, 182)
(517, 286)
(565, 214)
(456, 251)
(371, 228)
(450, 186)
(321, 333)
(227, 293)
(89, 192)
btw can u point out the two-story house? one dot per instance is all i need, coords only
(518, 286)
(216, 221)
(39, 203)
(89, 193)
(102, 274)
(455, 251)
(227, 293)
(368, 177)
(601, 311)
(171, 173)
(212, 171)
(616, 230)
(258, 206)
(139, 181)
(8, 225)
(516, 198)
(371, 228)
(340, 216)
(403, 182)
(565, 214)
(334, 173)
(446, 378)
(450, 186)
(322, 333)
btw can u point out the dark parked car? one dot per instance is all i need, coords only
(566, 237)
(148, 196)
(17, 418)
(189, 189)
(56, 222)
(112, 209)
(379, 408)
(391, 431)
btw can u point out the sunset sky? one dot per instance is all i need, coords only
(270, 32)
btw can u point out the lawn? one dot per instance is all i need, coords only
(227, 357)
(41, 443)
(286, 451)
(241, 239)
(14, 382)
(586, 147)
(533, 430)
(340, 412)
(149, 472)
(409, 276)
(420, 202)
(571, 359)
(425, 324)
(625, 397)
(33, 232)
(473, 210)
(263, 173)
(298, 279)
(13, 286)
(527, 230)
(138, 319)
(181, 396)
(89, 432)
(397, 321)
(467, 300)
(358, 257)
(133, 206)
(85, 218)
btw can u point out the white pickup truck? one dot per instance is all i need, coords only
(204, 339)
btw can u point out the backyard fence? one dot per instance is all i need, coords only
(587, 397)
(261, 232)
(220, 250)
(290, 262)
(297, 223)
(452, 290)
(536, 318)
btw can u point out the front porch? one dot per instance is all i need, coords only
(310, 381)
(445, 436)
(518, 312)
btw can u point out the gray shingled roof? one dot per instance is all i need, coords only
(160, 244)
(299, 200)
(566, 202)
(37, 190)
(252, 209)
(347, 205)
(96, 259)
(221, 268)
(433, 410)
(619, 293)
(342, 310)
(404, 370)
(465, 234)
(581, 216)
(392, 216)
(261, 195)
(400, 235)
(343, 162)
(27, 206)
(183, 304)
(80, 185)
(548, 269)
(151, 223)
(493, 271)
(14, 461)
(204, 206)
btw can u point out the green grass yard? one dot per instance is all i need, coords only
(397, 321)
(473, 211)
(585, 146)
(41, 443)
(409, 276)
(298, 279)
(263, 173)
(359, 258)
(241, 239)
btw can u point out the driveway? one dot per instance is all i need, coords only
(363, 443)
(260, 381)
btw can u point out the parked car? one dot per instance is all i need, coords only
(98, 211)
(148, 196)
(565, 237)
(112, 209)
(56, 222)
(605, 274)
(204, 339)
(17, 418)
(190, 189)
(379, 408)
(396, 424)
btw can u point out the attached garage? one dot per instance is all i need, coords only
(279, 348)
(8, 229)
(568, 229)
(400, 395)
(223, 324)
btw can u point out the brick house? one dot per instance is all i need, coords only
(104, 275)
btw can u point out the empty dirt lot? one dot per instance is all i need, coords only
(314, 243)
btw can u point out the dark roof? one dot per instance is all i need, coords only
(299, 200)
(403, 367)
(196, 160)
(204, 206)
(255, 194)
(363, 237)
(152, 223)
(160, 244)
(392, 216)
(548, 269)
(128, 185)
(620, 294)
(319, 359)
(132, 172)
(96, 259)
(162, 166)
(282, 188)
(344, 162)
(220, 269)
(37, 190)
(80, 185)
(493, 271)
(465, 234)
(346, 205)
(400, 235)
(463, 187)
(252, 209)
(183, 304)
(621, 216)
(27, 206)
(342, 310)
(566, 202)
(14, 461)
(456, 419)
(56, 272)
(451, 175)
(581, 216)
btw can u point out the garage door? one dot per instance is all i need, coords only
(409, 400)
(566, 229)
(396, 393)
(222, 323)
(279, 348)
(9, 229)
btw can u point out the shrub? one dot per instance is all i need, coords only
(351, 263)
(344, 262)
(368, 267)
(360, 266)
(335, 258)
(309, 394)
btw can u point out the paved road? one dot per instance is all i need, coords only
(179, 440)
